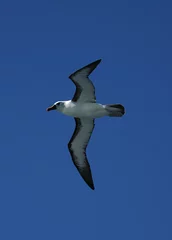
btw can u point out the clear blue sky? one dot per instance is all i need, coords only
(42, 195)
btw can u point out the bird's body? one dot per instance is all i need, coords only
(84, 108)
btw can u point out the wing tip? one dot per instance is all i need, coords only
(89, 182)
(95, 63)
(99, 60)
(92, 187)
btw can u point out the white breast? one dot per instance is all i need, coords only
(92, 110)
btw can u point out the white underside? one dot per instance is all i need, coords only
(79, 110)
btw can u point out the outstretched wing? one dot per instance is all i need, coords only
(77, 148)
(85, 90)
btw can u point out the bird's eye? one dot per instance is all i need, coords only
(58, 103)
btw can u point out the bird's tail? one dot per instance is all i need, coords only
(115, 110)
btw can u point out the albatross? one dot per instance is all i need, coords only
(84, 109)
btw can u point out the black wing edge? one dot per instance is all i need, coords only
(78, 92)
(76, 131)
(91, 66)
(86, 173)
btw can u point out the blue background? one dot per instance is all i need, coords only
(42, 195)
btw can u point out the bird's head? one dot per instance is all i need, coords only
(56, 106)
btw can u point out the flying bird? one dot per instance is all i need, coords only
(84, 109)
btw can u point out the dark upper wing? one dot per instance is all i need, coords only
(85, 91)
(77, 147)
